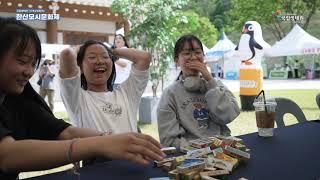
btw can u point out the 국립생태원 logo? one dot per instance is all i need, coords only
(280, 16)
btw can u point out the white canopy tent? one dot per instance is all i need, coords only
(296, 42)
(218, 51)
(205, 49)
(219, 58)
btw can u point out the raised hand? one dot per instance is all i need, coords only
(68, 63)
(201, 67)
(68, 54)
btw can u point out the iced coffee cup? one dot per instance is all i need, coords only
(265, 114)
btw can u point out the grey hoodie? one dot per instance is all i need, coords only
(184, 115)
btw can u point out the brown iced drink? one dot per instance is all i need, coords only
(265, 119)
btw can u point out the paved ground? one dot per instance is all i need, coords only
(233, 85)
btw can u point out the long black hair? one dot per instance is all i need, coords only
(178, 47)
(80, 58)
(16, 35)
(124, 39)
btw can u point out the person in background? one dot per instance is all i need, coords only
(296, 67)
(31, 138)
(288, 69)
(123, 66)
(216, 69)
(196, 105)
(47, 87)
(220, 72)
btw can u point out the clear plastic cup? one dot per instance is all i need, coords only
(265, 116)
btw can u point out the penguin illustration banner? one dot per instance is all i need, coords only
(250, 51)
(251, 45)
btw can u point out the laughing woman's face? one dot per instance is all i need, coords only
(16, 70)
(96, 67)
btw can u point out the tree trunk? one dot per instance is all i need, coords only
(311, 13)
(154, 88)
(162, 82)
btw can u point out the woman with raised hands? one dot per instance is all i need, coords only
(86, 85)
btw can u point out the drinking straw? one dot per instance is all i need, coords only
(259, 94)
(264, 99)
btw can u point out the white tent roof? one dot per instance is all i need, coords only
(223, 46)
(205, 49)
(296, 42)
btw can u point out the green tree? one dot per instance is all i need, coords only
(152, 30)
(203, 8)
(269, 14)
(156, 25)
(190, 22)
(217, 16)
(212, 9)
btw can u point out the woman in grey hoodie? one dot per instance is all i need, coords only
(196, 105)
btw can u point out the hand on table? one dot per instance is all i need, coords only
(139, 148)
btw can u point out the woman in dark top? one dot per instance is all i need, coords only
(27, 124)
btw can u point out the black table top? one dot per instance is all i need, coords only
(292, 153)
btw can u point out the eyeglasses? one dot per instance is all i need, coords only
(188, 54)
(94, 58)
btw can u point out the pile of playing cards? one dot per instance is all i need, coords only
(210, 158)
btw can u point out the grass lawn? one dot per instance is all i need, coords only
(245, 123)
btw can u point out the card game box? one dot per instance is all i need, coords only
(169, 150)
(185, 149)
(198, 152)
(200, 143)
(236, 153)
(165, 160)
(206, 158)
(214, 173)
(191, 165)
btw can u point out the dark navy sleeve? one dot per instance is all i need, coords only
(31, 111)
(4, 131)
(42, 123)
